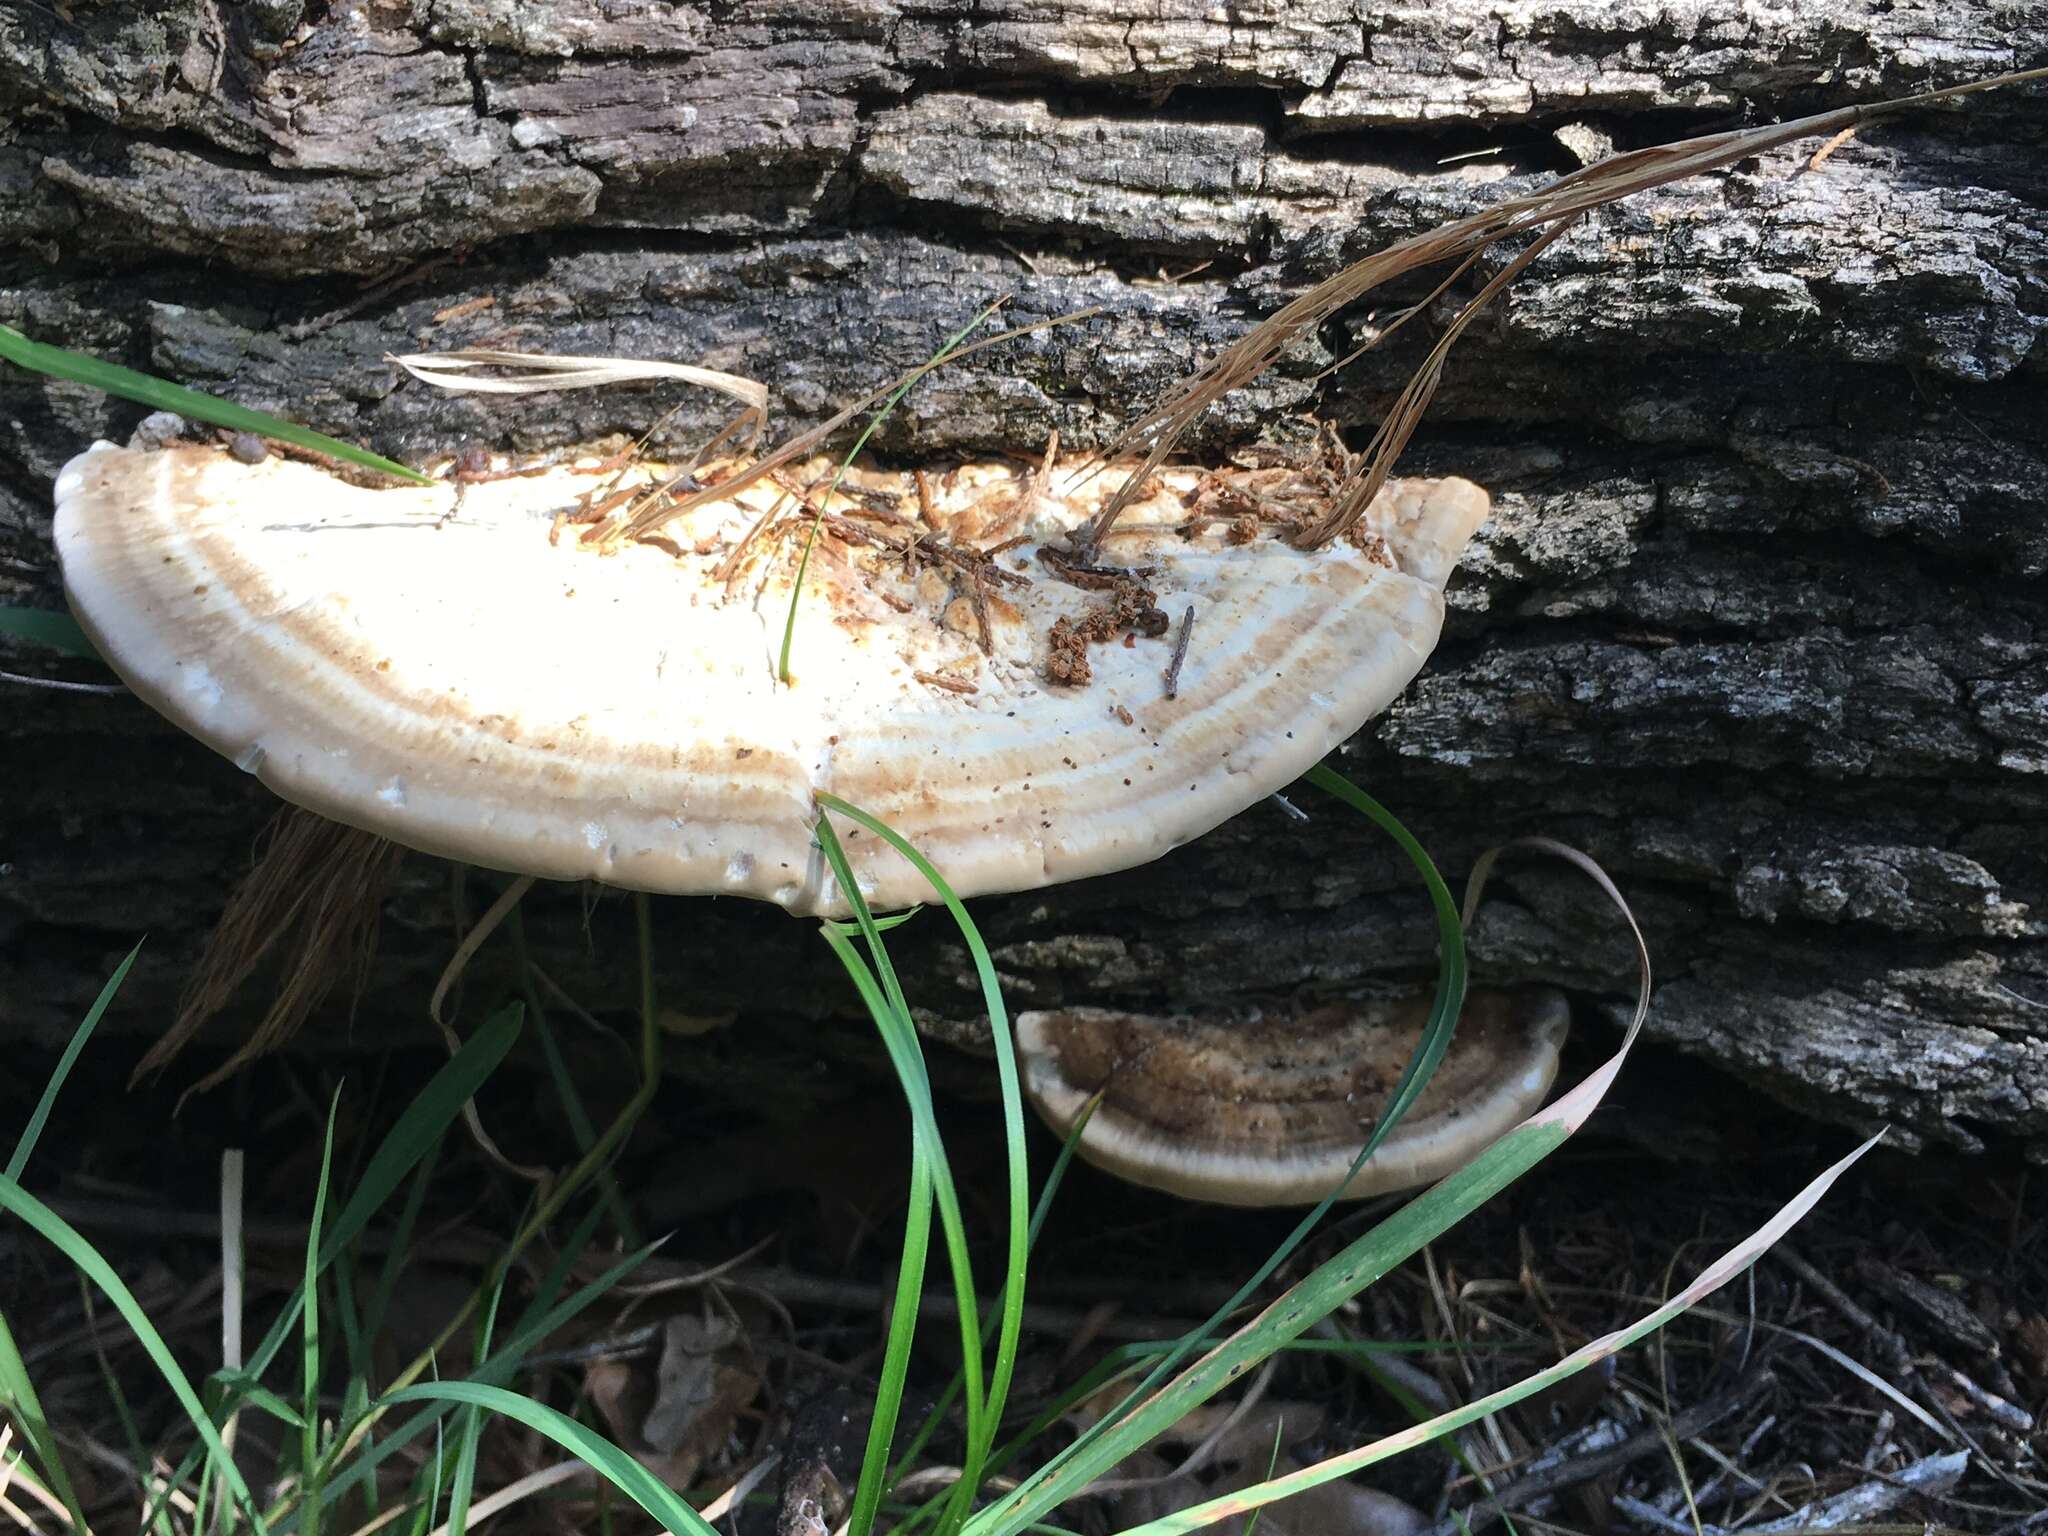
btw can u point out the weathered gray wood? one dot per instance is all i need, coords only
(1760, 621)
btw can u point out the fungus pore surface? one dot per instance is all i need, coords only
(460, 670)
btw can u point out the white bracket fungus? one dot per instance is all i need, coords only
(465, 674)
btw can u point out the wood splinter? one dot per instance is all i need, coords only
(1180, 652)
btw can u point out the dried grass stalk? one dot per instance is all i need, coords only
(545, 371)
(318, 892)
(662, 506)
(1550, 208)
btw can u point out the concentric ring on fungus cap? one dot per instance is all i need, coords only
(1272, 1109)
(465, 677)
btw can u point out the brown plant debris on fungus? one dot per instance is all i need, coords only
(446, 670)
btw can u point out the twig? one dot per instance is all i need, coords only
(1180, 652)
(977, 588)
(1091, 577)
(2007, 1415)
(1570, 1473)
(738, 1492)
(1929, 1477)
(1655, 1519)
(2038, 1520)
(1897, 1357)
(817, 1290)
(60, 684)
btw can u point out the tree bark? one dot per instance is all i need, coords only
(1759, 621)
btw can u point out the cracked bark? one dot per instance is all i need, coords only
(1759, 621)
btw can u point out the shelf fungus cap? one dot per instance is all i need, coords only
(1271, 1110)
(463, 673)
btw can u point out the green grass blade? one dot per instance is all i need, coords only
(899, 1037)
(573, 1108)
(250, 1393)
(606, 1459)
(1429, 1051)
(1251, 1526)
(54, 1229)
(1127, 1360)
(881, 415)
(937, 1416)
(26, 1145)
(1039, 1212)
(425, 1515)
(355, 1343)
(536, 1324)
(1361, 1263)
(875, 1476)
(18, 1397)
(48, 627)
(163, 396)
(462, 1478)
(895, 1004)
(401, 1247)
(417, 1132)
(552, 1198)
(1359, 1351)
(413, 1139)
(158, 1518)
(888, 1404)
(309, 1336)
(532, 1320)
(1322, 1291)
(1712, 1278)
(883, 923)
(463, 1484)
(1022, 1224)
(17, 1378)
(1452, 971)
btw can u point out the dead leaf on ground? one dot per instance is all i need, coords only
(674, 1411)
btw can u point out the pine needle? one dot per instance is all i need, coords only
(1552, 209)
(655, 511)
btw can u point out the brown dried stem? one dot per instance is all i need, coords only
(1556, 205)
(651, 517)
(319, 886)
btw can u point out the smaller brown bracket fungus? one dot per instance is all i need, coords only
(1272, 1109)
(468, 674)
